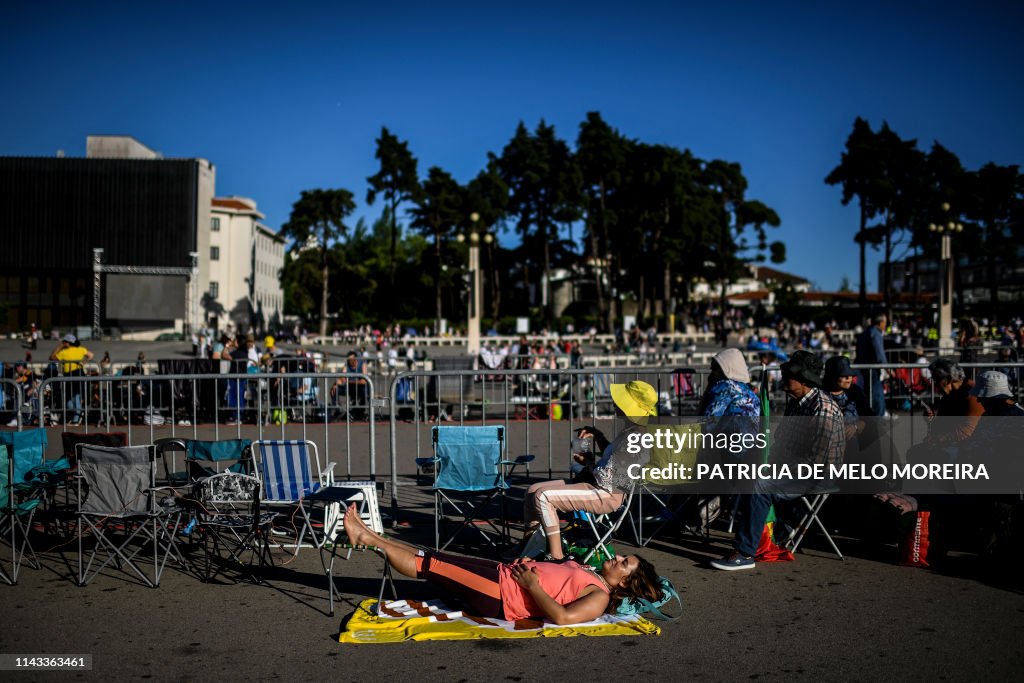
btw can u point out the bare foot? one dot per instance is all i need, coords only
(356, 531)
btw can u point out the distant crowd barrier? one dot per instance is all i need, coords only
(460, 340)
(539, 408)
(335, 410)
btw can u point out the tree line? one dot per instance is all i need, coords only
(629, 220)
(904, 192)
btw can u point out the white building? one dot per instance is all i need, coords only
(246, 258)
(757, 284)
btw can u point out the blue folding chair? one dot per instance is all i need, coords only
(469, 469)
(20, 454)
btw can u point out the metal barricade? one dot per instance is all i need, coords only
(539, 409)
(908, 383)
(12, 400)
(326, 408)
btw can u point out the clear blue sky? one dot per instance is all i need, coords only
(289, 96)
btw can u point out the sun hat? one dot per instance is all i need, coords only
(839, 366)
(637, 400)
(804, 366)
(991, 384)
(70, 338)
(733, 365)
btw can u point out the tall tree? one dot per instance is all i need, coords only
(858, 172)
(397, 181)
(601, 157)
(994, 204)
(543, 184)
(317, 220)
(438, 210)
(943, 183)
(900, 189)
(736, 217)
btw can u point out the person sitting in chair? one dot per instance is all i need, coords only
(566, 593)
(815, 435)
(635, 400)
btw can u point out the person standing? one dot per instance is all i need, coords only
(72, 356)
(871, 351)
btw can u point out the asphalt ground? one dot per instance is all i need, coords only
(816, 618)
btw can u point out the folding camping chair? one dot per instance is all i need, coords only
(117, 495)
(364, 495)
(203, 458)
(28, 482)
(229, 518)
(602, 527)
(16, 513)
(813, 502)
(468, 466)
(669, 495)
(69, 444)
(600, 393)
(286, 474)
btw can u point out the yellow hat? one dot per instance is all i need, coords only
(269, 342)
(637, 400)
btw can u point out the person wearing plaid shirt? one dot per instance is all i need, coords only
(811, 432)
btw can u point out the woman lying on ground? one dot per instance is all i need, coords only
(563, 593)
(544, 500)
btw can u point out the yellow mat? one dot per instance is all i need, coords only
(402, 620)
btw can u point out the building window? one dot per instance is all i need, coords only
(214, 253)
(215, 224)
(214, 289)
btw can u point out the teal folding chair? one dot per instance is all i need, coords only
(203, 458)
(469, 472)
(21, 458)
(15, 520)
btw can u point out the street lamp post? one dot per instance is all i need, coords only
(475, 299)
(946, 230)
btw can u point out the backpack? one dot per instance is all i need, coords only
(642, 607)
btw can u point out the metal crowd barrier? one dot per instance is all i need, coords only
(326, 408)
(926, 388)
(539, 409)
(583, 338)
(11, 402)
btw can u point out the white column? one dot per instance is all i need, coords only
(946, 294)
(475, 298)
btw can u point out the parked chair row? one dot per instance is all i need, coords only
(226, 500)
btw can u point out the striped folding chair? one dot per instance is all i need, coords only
(286, 472)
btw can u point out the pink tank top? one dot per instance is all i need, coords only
(563, 582)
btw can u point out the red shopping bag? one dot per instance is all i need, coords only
(914, 548)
